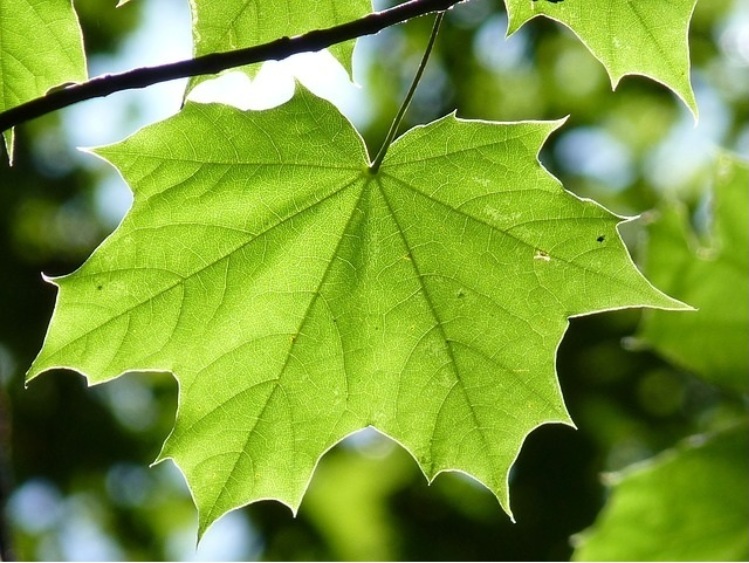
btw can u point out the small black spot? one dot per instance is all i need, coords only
(601, 238)
(552, 1)
(461, 294)
(99, 287)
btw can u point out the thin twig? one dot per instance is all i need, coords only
(375, 166)
(216, 62)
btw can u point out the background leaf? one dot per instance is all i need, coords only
(41, 47)
(713, 341)
(689, 504)
(647, 38)
(234, 24)
(298, 297)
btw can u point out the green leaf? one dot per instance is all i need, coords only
(689, 504)
(712, 341)
(298, 297)
(236, 24)
(40, 47)
(628, 37)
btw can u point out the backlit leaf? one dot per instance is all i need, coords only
(627, 36)
(299, 297)
(41, 47)
(235, 24)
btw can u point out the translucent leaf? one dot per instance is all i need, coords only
(298, 297)
(40, 47)
(689, 504)
(628, 37)
(235, 24)
(713, 341)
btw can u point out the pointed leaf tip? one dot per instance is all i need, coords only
(629, 38)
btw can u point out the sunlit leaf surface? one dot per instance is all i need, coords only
(298, 297)
(235, 24)
(627, 36)
(41, 47)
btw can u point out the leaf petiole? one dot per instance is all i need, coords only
(375, 166)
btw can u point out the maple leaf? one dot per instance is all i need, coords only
(235, 24)
(29, 68)
(713, 277)
(628, 37)
(298, 296)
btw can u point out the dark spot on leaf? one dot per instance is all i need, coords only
(99, 287)
(601, 238)
(552, 1)
(461, 294)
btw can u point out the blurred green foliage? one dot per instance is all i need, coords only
(73, 461)
(711, 275)
(688, 504)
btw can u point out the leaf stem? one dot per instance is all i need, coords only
(375, 166)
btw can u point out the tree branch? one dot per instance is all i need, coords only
(216, 62)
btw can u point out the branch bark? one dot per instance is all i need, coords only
(214, 63)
